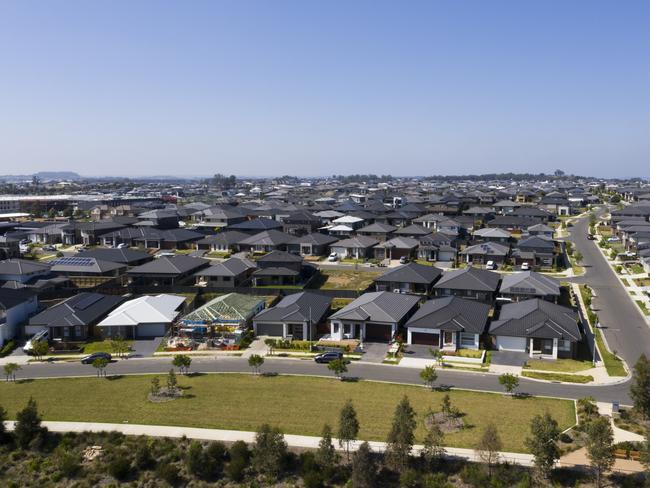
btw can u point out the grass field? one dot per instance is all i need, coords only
(567, 378)
(335, 279)
(298, 405)
(559, 365)
(613, 364)
(101, 346)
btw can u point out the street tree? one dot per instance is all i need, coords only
(429, 376)
(401, 436)
(39, 349)
(255, 362)
(488, 446)
(182, 362)
(348, 427)
(119, 346)
(600, 446)
(437, 355)
(269, 452)
(364, 468)
(10, 371)
(640, 388)
(270, 343)
(543, 444)
(338, 367)
(172, 382)
(155, 386)
(100, 365)
(510, 382)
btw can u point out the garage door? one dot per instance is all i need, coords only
(151, 330)
(425, 338)
(274, 330)
(378, 333)
(511, 343)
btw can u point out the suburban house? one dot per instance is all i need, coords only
(167, 270)
(9, 247)
(529, 284)
(437, 247)
(74, 319)
(359, 247)
(148, 237)
(536, 251)
(486, 251)
(414, 231)
(75, 266)
(315, 244)
(396, 248)
(15, 308)
(278, 268)
(219, 216)
(128, 257)
(233, 311)
(266, 241)
(378, 231)
(373, 317)
(541, 230)
(223, 242)
(145, 316)
(473, 283)
(300, 223)
(409, 278)
(537, 327)
(448, 323)
(23, 271)
(257, 226)
(231, 273)
(296, 316)
(490, 234)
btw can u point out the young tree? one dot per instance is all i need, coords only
(39, 349)
(182, 362)
(269, 452)
(326, 455)
(488, 446)
(10, 371)
(437, 355)
(446, 407)
(119, 346)
(270, 343)
(401, 436)
(429, 376)
(28, 425)
(338, 367)
(155, 385)
(364, 468)
(194, 459)
(172, 382)
(100, 365)
(578, 256)
(600, 446)
(543, 443)
(433, 449)
(509, 381)
(640, 388)
(348, 427)
(256, 361)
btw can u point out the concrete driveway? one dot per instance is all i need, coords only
(144, 348)
(374, 352)
(509, 358)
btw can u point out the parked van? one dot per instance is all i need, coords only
(39, 336)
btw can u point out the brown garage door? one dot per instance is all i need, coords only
(378, 333)
(424, 338)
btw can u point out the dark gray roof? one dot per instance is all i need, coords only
(470, 279)
(22, 267)
(81, 309)
(257, 224)
(451, 313)
(487, 249)
(411, 273)
(412, 230)
(229, 267)
(536, 318)
(227, 238)
(275, 271)
(298, 307)
(268, 238)
(316, 239)
(125, 256)
(9, 298)
(536, 242)
(379, 306)
(84, 265)
(399, 243)
(170, 266)
(530, 283)
(356, 242)
(378, 228)
(280, 257)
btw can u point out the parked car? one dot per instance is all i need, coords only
(39, 336)
(96, 355)
(403, 260)
(328, 357)
(122, 245)
(490, 265)
(591, 237)
(613, 239)
(49, 247)
(333, 257)
(525, 267)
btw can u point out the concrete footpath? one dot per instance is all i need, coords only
(295, 441)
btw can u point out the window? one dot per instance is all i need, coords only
(467, 339)
(563, 345)
(336, 327)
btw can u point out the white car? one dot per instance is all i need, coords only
(613, 239)
(525, 267)
(122, 245)
(39, 336)
(490, 265)
(333, 257)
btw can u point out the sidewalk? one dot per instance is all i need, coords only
(296, 441)
(256, 347)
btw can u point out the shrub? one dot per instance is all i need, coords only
(119, 467)
(168, 472)
(566, 438)
(7, 348)
(67, 463)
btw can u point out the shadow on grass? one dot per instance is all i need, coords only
(114, 377)
(269, 374)
(350, 379)
(195, 374)
(26, 380)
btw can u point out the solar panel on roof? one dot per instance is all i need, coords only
(71, 261)
(86, 302)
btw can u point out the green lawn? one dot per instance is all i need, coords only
(559, 365)
(100, 346)
(567, 378)
(613, 364)
(298, 405)
(335, 279)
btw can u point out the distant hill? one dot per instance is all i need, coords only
(44, 176)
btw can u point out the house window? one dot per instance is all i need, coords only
(226, 278)
(563, 345)
(77, 331)
(467, 339)
(336, 327)
(66, 332)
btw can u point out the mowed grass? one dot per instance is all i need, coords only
(559, 365)
(334, 279)
(297, 405)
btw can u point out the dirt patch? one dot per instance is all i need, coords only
(165, 395)
(447, 424)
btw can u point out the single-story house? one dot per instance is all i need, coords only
(486, 251)
(278, 268)
(396, 248)
(296, 316)
(74, 266)
(378, 230)
(167, 270)
(15, 308)
(23, 270)
(359, 247)
(529, 284)
(448, 323)
(315, 244)
(128, 257)
(230, 273)
(538, 327)
(373, 317)
(490, 234)
(146, 316)
(473, 283)
(409, 278)
(224, 242)
(266, 241)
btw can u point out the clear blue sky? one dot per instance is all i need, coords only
(315, 88)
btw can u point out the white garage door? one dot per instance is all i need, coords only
(151, 330)
(511, 343)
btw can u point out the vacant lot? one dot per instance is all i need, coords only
(298, 405)
(334, 279)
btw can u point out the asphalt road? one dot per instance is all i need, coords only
(625, 329)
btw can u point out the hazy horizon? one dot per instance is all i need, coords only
(256, 88)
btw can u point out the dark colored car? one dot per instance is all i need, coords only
(591, 237)
(96, 355)
(327, 357)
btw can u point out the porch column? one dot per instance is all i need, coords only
(393, 330)
(408, 336)
(306, 333)
(284, 330)
(531, 348)
(555, 348)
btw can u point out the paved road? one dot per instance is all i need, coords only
(625, 328)
(378, 372)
